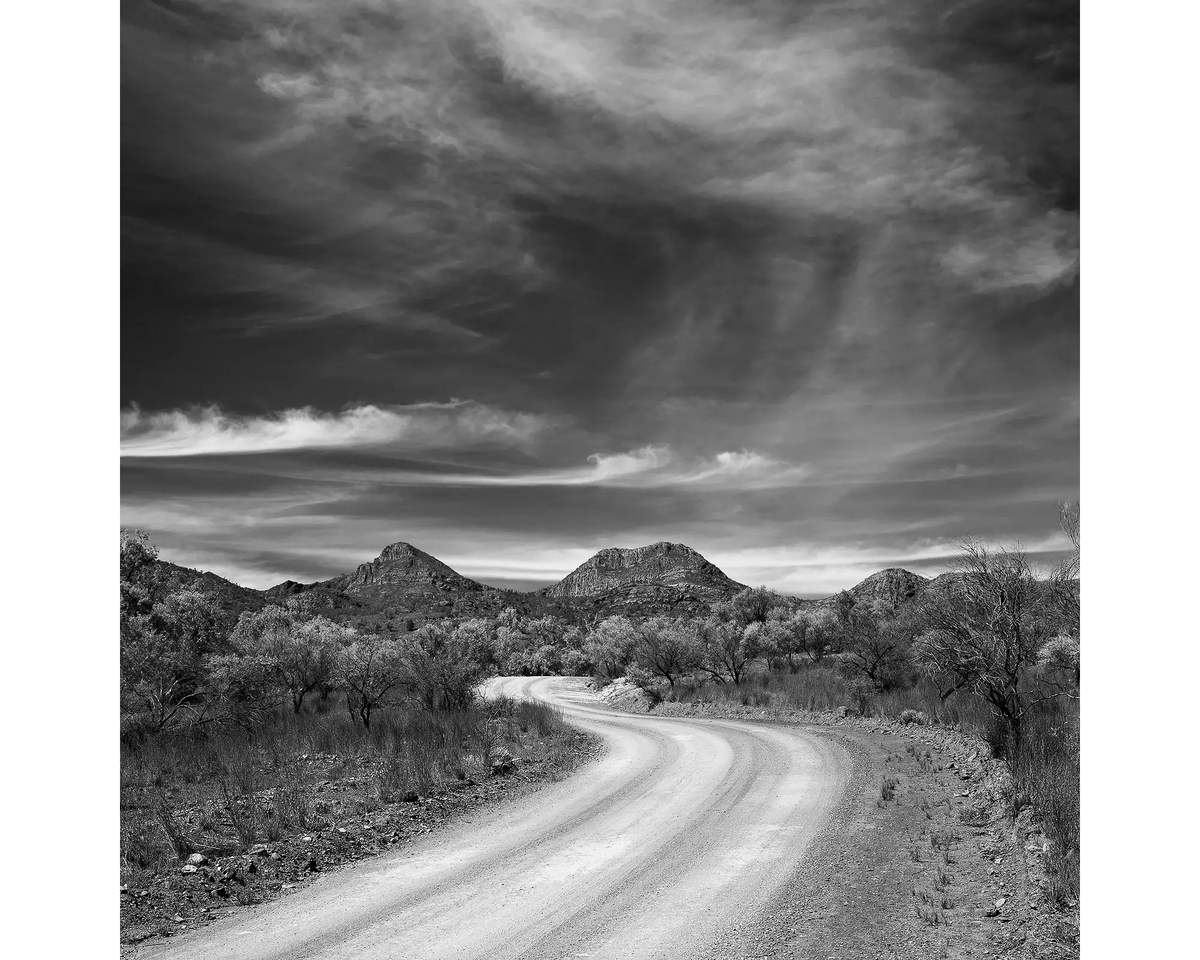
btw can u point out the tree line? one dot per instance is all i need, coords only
(993, 630)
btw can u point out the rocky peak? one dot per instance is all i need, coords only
(672, 566)
(402, 568)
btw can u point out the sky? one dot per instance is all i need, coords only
(794, 283)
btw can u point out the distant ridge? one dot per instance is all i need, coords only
(407, 585)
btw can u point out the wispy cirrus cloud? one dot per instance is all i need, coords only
(647, 467)
(207, 431)
(833, 111)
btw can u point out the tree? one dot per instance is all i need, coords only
(844, 604)
(817, 631)
(784, 636)
(772, 639)
(875, 644)
(165, 657)
(479, 636)
(439, 668)
(728, 648)
(666, 648)
(1064, 580)
(984, 630)
(515, 650)
(294, 656)
(166, 640)
(610, 646)
(137, 564)
(371, 669)
(752, 605)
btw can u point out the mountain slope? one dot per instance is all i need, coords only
(659, 574)
(892, 588)
(402, 571)
(229, 595)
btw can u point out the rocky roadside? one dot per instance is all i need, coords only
(923, 857)
(350, 827)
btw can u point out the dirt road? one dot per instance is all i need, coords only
(667, 846)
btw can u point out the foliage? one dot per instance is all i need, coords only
(440, 669)
(611, 645)
(372, 669)
(279, 649)
(666, 649)
(728, 648)
(165, 640)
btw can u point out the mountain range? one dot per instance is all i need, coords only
(405, 586)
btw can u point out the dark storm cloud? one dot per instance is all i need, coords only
(769, 276)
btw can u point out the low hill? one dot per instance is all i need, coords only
(230, 596)
(664, 565)
(659, 578)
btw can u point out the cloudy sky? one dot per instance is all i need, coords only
(794, 283)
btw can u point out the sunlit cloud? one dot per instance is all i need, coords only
(208, 431)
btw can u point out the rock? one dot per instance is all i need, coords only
(841, 711)
(188, 868)
(1001, 902)
(197, 859)
(503, 762)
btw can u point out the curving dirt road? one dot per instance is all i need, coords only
(667, 846)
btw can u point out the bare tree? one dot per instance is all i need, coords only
(875, 645)
(729, 648)
(371, 668)
(986, 627)
(1068, 518)
(666, 648)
